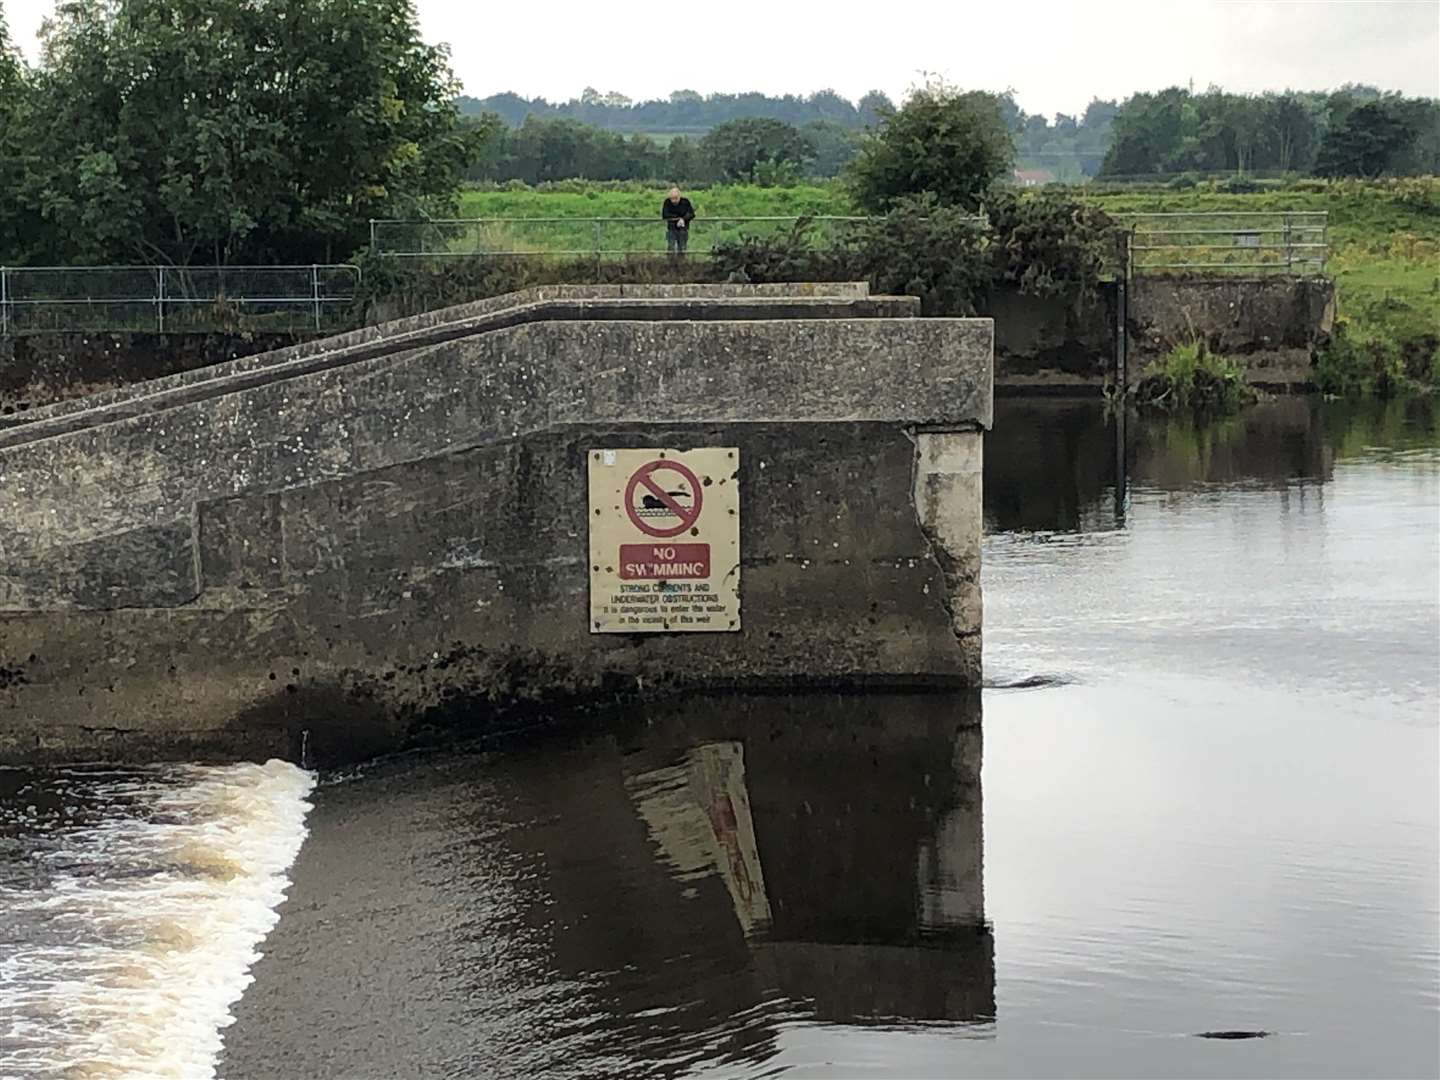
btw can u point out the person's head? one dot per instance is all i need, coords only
(674, 194)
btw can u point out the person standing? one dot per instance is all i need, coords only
(677, 214)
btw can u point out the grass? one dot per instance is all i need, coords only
(1384, 246)
(1191, 378)
(1385, 259)
(729, 200)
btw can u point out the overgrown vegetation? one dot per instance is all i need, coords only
(217, 132)
(1385, 259)
(1190, 378)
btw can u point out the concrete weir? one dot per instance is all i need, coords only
(353, 541)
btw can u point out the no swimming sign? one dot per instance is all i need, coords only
(664, 540)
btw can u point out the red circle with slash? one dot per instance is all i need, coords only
(655, 492)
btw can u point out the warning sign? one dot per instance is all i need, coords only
(664, 540)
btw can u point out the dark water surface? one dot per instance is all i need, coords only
(1207, 798)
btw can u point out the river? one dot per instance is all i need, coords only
(1206, 800)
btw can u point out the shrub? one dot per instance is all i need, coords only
(1354, 363)
(953, 145)
(1052, 244)
(1238, 185)
(919, 248)
(1192, 378)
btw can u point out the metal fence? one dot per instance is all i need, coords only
(1279, 241)
(175, 298)
(608, 237)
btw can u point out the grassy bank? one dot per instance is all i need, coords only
(1385, 258)
(1384, 237)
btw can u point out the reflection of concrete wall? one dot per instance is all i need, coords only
(1048, 464)
(389, 540)
(1050, 341)
(1277, 441)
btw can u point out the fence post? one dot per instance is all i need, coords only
(1289, 251)
(373, 247)
(160, 301)
(4, 302)
(315, 292)
(597, 237)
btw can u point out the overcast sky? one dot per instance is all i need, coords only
(1055, 54)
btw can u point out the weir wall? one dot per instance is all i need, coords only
(344, 546)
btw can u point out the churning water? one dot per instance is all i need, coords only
(134, 902)
(1207, 801)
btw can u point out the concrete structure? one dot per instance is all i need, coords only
(350, 541)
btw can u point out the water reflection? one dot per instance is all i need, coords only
(676, 891)
(1072, 465)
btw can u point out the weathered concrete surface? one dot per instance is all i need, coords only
(370, 550)
(47, 375)
(1271, 323)
(1052, 343)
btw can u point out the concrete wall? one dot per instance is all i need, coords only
(1271, 322)
(374, 549)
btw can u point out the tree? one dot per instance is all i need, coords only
(1292, 132)
(215, 131)
(950, 144)
(874, 107)
(738, 148)
(1365, 143)
(14, 100)
(832, 147)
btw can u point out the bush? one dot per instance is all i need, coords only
(923, 249)
(1052, 245)
(1192, 378)
(787, 256)
(918, 249)
(1238, 185)
(1355, 363)
(953, 145)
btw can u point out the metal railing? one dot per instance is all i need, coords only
(1280, 241)
(174, 298)
(602, 237)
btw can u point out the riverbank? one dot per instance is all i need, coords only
(1384, 250)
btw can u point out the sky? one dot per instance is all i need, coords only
(1055, 54)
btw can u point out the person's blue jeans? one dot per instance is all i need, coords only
(676, 239)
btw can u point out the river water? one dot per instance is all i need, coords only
(1207, 799)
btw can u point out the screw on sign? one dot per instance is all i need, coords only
(663, 498)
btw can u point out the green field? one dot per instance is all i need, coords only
(1384, 236)
(629, 200)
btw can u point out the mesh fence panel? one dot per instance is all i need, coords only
(601, 237)
(155, 299)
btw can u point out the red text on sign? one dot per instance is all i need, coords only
(664, 562)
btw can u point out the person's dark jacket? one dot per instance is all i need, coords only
(677, 211)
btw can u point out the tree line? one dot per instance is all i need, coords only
(1353, 131)
(684, 111)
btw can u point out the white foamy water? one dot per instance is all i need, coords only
(134, 903)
